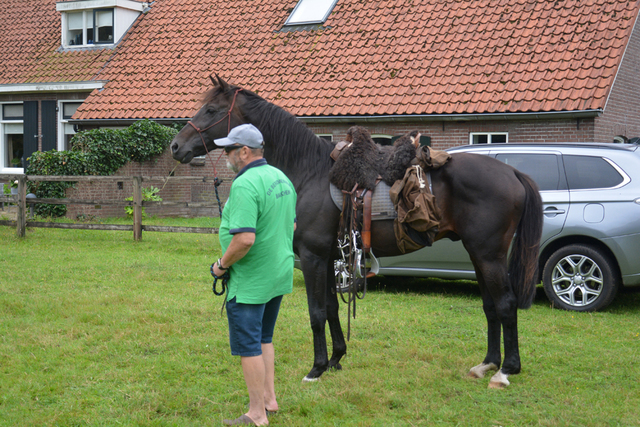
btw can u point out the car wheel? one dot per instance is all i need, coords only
(580, 278)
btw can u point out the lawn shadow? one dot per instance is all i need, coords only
(627, 301)
(423, 285)
(541, 297)
(429, 285)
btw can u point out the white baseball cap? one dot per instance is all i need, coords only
(247, 135)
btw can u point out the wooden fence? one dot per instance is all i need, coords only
(21, 201)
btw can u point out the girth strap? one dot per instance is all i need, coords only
(366, 221)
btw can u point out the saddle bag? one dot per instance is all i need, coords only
(418, 217)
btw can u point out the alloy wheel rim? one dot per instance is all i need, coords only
(577, 280)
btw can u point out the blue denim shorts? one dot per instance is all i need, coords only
(251, 325)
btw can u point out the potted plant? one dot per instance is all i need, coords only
(14, 187)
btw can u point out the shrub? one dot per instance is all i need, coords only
(104, 149)
(145, 139)
(148, 193)
(95, 152)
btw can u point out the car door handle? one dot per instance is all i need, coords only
(553, 211)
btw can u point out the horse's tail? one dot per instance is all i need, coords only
(523, 261)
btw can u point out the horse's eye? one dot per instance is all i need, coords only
(211, 111)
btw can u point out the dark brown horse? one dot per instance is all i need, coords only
(483, 202)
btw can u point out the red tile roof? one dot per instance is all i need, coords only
(371, 58)
(29, 46)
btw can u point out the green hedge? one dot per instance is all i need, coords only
(95, 152)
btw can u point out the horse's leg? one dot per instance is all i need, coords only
(500, 307)
(493, 358)
(337, 337)
(314, 269)
(508, 314)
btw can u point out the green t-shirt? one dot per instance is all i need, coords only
(262, 200)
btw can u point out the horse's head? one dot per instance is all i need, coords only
(219, 113)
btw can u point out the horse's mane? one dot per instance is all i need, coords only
(289, 143)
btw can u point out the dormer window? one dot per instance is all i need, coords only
(311, 12)
(90, 27)
(87, 23)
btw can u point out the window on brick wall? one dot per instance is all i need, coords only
(382, 139)
(12, 136)
(488, 138)
(65, 129)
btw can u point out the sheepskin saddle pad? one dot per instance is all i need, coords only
(381, 205)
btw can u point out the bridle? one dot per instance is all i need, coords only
(228, 115)
(216, 181)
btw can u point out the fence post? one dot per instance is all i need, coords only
(137, 208)
(21, 219)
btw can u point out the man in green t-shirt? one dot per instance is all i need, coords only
(256, 236)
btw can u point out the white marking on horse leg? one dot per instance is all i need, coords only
(310, 380)
(480, 370)
(499, 380)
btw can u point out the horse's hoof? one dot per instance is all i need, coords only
(336, 367)
(480, 370)
(499, 381)
(310, 380)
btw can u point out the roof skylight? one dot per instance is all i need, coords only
(311, 12)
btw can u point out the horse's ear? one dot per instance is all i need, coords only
(213, 80)
(223, 85)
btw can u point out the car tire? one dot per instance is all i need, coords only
(580, 278)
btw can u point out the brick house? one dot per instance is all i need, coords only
(460, 72)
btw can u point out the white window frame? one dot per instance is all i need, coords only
(382, 135)
(87, 16)
(3, 123)
(325, 135)
(62, 122)
(124, 14)
(307, 12)
(489, 136)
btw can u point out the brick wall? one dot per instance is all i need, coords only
(451, 133)
(622, 112)
(161, 166)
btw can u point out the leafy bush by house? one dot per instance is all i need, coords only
(95, 152)
(148, 194)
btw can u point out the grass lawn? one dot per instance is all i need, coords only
(98, 330)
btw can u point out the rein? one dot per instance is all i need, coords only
(216, 181)
(350, 270)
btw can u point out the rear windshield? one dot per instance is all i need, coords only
(586, 172)
(542, 168)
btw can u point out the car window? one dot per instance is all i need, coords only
(590, 172)
(543, 168)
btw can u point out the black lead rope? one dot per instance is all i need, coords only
(216, 184)
(224, 279)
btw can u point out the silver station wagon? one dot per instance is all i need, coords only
(591, 237)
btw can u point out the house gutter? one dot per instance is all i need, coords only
(87, 86)
(395, 118)
(550, 115)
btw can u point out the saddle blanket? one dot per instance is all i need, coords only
(381, 205)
